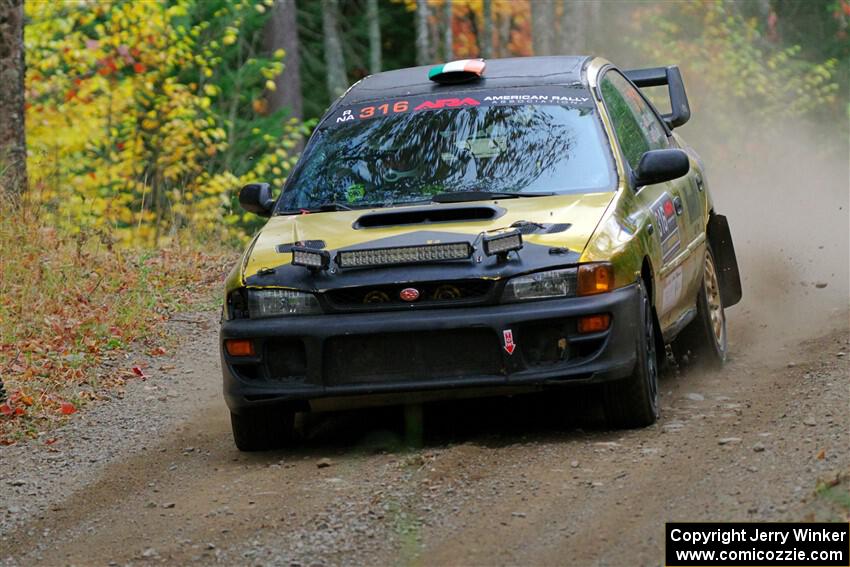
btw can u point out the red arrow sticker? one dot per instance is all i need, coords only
(509, 341)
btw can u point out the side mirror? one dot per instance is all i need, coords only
(257, 198)
(657, 166)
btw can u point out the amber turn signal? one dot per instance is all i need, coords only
(239, 347)
(594, 323)
(595, 278)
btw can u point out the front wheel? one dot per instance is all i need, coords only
(633, 401)
(704, 339)
(262, 429)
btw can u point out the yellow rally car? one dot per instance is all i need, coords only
(475, 228)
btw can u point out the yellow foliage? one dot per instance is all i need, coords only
(118, 139)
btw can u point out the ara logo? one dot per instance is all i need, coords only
(508, 336)
(447, 103)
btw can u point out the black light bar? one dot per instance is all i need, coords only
(310, 258)
(404, 255)
(501, 244)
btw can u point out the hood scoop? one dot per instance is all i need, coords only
(428, 215)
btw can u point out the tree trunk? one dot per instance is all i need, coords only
(334, 59)
(423, 47)
(281, 32)
(13, 149)
(374, 36)
(542, 26)
(487, 40)
(448, 38)
(592, 21)
(573, 25)
(505, 24)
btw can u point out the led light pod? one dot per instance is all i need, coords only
(310, 258)
(501, 244)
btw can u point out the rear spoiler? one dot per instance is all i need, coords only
(670, 76)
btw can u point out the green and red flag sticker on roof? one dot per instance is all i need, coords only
(457, 71)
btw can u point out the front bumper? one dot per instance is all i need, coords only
(364, 355)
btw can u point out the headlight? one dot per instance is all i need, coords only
(585, 279)
(278, 302)
(542, 285)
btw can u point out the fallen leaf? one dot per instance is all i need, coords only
(51, 441)
(822, 454)
(139, 372)
(67, 408)
(20, 411)
(6, 409)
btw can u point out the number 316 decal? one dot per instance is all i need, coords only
(384, 109)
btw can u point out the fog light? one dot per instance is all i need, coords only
(594, 323)
(310, 258)
(595, 278)
(239, 347)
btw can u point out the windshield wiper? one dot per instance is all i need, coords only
(462, 196)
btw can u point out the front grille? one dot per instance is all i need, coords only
(445, 293)
(401, 357)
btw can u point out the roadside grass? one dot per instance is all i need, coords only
(71, 302)
(831, 501)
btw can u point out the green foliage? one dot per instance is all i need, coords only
(396, 45)
(732, 70)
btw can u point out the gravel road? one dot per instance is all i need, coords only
(154, 478)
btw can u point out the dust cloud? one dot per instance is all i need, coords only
(787, 202)
(784, 184)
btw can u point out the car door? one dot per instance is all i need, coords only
(639, 129)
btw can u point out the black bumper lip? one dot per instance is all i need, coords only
(615, 359)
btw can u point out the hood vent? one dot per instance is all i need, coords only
(428, 215)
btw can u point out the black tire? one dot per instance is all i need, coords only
(262, 429)
(704, 340)
(633, 402)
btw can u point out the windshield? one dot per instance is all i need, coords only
(407, 156)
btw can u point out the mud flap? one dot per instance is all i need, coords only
(720, 239)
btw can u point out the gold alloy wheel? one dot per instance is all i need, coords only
(715, 306)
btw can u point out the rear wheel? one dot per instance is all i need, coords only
(633, 401)
(262, 429)
(704, 339)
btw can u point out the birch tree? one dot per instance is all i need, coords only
(543, 26)
(374, 22)
(573, 23)
(334, 58)
(448, 39)
(487, 40)
(423, 47)
(13, 151)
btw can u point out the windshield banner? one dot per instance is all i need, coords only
(575, 97)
